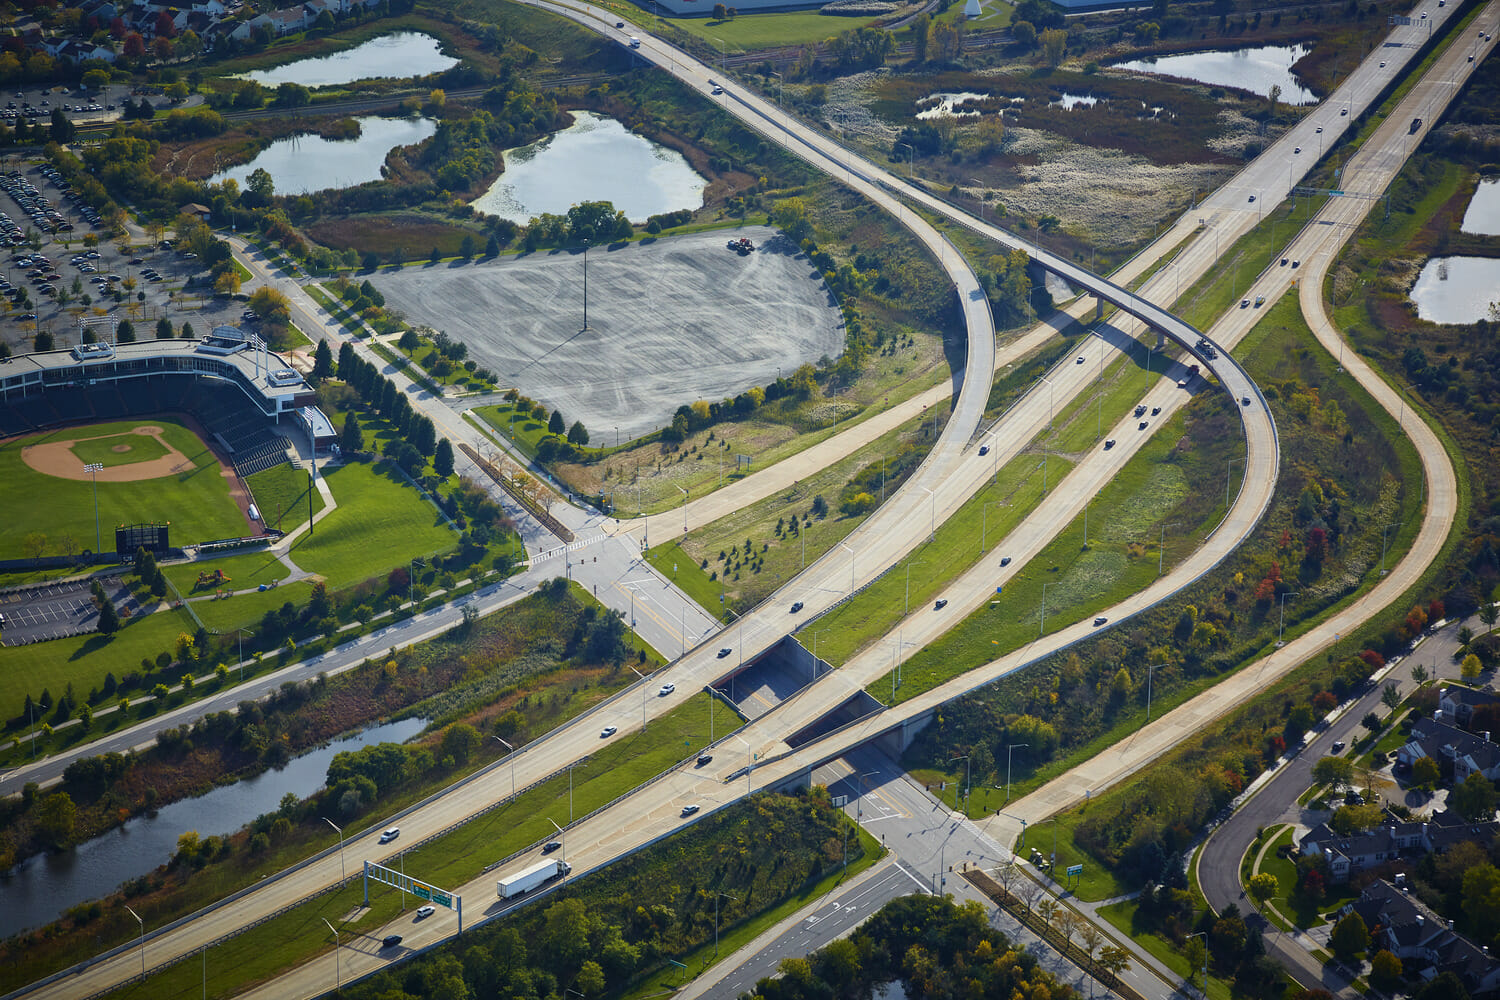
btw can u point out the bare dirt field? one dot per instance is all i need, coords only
(669, 321)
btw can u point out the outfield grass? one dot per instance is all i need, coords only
(196, 502)
(457, 857)
(101, 450)
(83, 660)
(380, 522)
(282, 494)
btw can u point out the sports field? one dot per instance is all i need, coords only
(164, 473)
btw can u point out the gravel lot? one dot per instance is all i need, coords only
(670, 321)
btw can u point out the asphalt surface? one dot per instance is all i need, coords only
(1218, 863)
(669, 321)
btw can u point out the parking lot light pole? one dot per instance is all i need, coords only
(967, 775)
(342, 873)
(94, 468)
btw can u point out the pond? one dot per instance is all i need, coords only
(1070, 101)
(1457, 290)
(1483, 215)
(944, 105)
(1256, 70)
(403, 54)
(303, 164)
(42, 887)
(594, 159)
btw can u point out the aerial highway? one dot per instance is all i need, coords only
(656, 812)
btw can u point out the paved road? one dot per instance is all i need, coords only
(1371, 169)
(1218, 863)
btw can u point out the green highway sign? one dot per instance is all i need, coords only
(421, 891)
(442, 900)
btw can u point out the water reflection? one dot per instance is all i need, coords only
(1483, 215)
(303, 164)
(594, 159)
(1457, 289)
(403, 54)
(1256, 70)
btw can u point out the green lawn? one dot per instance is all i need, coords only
(83, 660)
(282, 494)
(1122, 916)
(196, 501)
(245, 570)
(380, 523)
(246, 610)
(748, 32)
(104, 449)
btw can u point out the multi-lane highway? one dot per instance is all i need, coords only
(654, 812)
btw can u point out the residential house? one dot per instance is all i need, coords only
(1393, 839)
(1458, 703)
(1467, 753)
(1426, 943)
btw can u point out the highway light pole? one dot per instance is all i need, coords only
(562, 835)
(1042, 626)
(978, 197)
(1161, 546)
(1281, 625)
(907, 607)
(512, 751)
(851, 565)
(716, 917)
(585, 284)
(643, 697)
(932, 536)
(143, 940)
(684, 493)
(1150, 672)
(241, 637)
(984, 520)
(94, 468)
(338, 983)
(1228, 467)
(1008, 751)
(340, 830)
(911, 159)
(1385, 542)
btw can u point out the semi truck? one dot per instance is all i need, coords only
(527, 879)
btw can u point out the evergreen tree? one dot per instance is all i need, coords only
(442, 461)
(322, 362)
(492, 248)
(556, 424)
(425, 436)
(164, 329)
(109, 619)
(346, 360)
(352, 440)
(125, 333)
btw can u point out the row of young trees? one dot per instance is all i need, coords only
(417, 440)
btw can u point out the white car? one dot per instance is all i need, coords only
(423, 912)
(666, 689)
(389, 835)
(607, 732)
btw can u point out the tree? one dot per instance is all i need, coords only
(1333, 771)
(1348, 820)
(1418, 673)
(1475, 798)
(1481, 900)
(125, 333)
(1489, 614)
(467, 247)
(492, 246)
(271, 306)
(56, 818)
(322, 362)
(555, 423)
(1350, 937)
(1273, 95)
(352, 439)
(1263, 886)
(919, 27)
(260, 186)
(1024, 32)
(43, 341)
(1425, 773)
(1470, 668)
(790, 216)
(109, 619)
(578, 434)
(1446, 986)
(292, 95)
(442, 459)
(1054, 46)
(590, 979)
(460, 740)
(1114, 960)
(63, 130)
(1385, 971)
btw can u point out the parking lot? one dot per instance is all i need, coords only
(48, 287)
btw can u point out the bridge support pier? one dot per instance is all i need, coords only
(1098, 309)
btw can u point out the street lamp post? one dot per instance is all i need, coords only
(716, 918)
(910, 160)
(907, 606)
(1150, 672)
(643, 696)
(512, 751)
(1281, 625)
(241, 637)
(94, 468)
(1008, 751)
(684, 493)
(1042, 625)
(932, 536)
(585, 284)
(851, 565)
(337, 976)
(562, 835)
(978, 197)
(143, 940)
(342, 873)
(984, 520)
(1161, 547)
(1385, 542)
(1229, 465)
